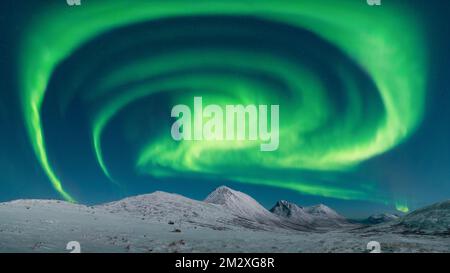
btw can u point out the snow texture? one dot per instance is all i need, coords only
(227, 221)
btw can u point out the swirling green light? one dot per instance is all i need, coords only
(402, 206)
(387, 43)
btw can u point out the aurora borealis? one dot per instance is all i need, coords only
(94, 86)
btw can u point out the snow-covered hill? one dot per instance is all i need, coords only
(174, 208)
(434, 219)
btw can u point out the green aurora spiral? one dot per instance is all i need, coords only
(386, 45)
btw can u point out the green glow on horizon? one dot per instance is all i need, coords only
(401, 206)
(387, 43)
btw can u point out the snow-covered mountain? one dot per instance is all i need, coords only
(292, 211)
(380, 218)
(315, 216)
(434, 219)
(224, 208)
(246, 208)
(169, 207)
(238, 203)
(323, 211)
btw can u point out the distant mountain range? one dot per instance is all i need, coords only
(283, 214)
(315, 216)
(225, 208)
(380, 218)
(133, 220)
(222, 209)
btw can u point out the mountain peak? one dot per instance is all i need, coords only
(321, 209)
(286, 203)
(223, 188)
(238, 202)
(287, 209)
(381, 218)
(222, 195)
(318, 215)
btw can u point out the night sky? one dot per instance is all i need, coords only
(86, 94)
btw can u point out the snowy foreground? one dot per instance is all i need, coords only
(227, 221)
